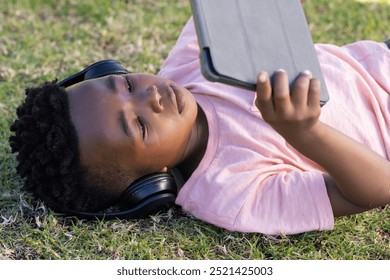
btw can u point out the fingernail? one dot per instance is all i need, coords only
(307, 73)
(262, 77)
(280, 70)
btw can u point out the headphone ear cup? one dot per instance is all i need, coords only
(144, 197)
(155, 191)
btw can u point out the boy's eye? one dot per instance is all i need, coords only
(143, 126)
(130, 86)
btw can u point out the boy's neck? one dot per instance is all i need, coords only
(200, 138)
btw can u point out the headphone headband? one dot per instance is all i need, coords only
(95, 70)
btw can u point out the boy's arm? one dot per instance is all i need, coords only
(359, 179)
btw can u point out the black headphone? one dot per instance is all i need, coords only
(148, 194)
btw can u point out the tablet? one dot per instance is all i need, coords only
(238, 38)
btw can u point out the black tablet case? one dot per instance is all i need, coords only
(238, 38)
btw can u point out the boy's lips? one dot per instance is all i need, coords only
(179, 99)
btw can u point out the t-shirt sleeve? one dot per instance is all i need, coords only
(287, 203)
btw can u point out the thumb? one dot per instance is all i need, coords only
(264, 100)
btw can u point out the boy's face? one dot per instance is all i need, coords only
(135, 123)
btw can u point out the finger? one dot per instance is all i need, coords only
(264, 100)
(314, 95)
(300, 89)
(281, 91)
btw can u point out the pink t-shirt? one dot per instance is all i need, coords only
(251, 179)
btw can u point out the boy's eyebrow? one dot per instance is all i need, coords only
(123, 123)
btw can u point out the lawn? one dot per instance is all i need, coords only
(46, 40)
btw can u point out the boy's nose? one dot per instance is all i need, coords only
(154, 100)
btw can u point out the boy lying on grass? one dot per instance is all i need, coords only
(271, 161)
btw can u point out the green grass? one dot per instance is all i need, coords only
(45, 40)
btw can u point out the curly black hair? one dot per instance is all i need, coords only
(48, 156)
